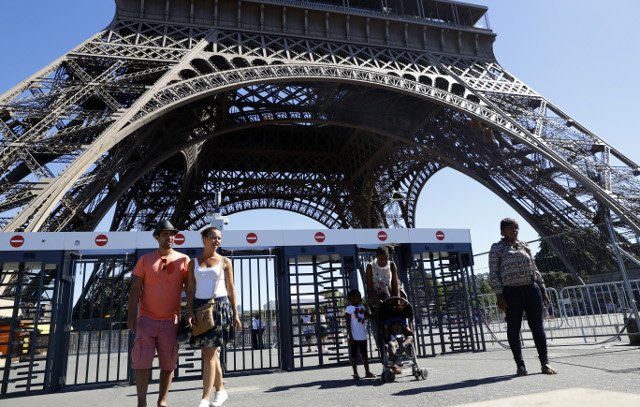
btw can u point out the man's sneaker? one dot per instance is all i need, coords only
(219, 398)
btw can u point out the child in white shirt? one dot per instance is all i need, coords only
(355, 315)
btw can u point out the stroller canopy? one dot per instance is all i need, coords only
(395, 309)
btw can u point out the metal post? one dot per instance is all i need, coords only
(623, 270)
(62, 320)
(13, 327)
(283, 286)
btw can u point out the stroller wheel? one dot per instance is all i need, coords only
(424, 373)
(388, 376)
(416, 372)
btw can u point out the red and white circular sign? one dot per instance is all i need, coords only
(382, 235)
(440, 235)
(319, 237)
(16, 241)
(178, 239)
(252, 238)
(101, 240)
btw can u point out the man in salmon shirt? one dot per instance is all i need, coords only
(156, 291)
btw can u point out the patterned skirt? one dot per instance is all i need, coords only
(223, 332)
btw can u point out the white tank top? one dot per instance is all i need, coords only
(381, 274)
(206, 280)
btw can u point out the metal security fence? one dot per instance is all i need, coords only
(603, 309)
(578, 314)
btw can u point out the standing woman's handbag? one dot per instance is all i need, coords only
(205, 315)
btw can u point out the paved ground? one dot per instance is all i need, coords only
(590, 375)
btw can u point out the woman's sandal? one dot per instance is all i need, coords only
(356, 377)
(522, 371)
(371, 375)
(546, 369)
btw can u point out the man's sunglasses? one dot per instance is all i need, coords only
(164, 263)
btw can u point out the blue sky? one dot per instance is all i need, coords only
(582, 55)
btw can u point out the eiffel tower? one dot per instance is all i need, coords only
(340, 110)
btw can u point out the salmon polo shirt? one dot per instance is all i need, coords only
(162, 289)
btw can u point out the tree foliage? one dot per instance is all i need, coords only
(585, 251)
(558, 279)
(484, 287)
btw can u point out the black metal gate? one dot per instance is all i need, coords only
(256, 292)
(30, 303)
(64, 323)
(256, 295)
(99, 341)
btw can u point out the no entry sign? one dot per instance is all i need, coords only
(440, 235)
(101, 240)
(178, 239)
(319, 237)
(252, 238)
(16, 241)
(382, 235)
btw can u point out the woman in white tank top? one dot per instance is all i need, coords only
(382, 278)
(202, 276)
(206, 280)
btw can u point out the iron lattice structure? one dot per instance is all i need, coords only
(338, 113)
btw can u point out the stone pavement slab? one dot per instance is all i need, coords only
(610, 372)
(569, 397)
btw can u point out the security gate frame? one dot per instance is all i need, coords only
(267, 280)
(441, 278)
(330, 271)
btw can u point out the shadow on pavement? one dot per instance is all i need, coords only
(454, 386)
(329, 384)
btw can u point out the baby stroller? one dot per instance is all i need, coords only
(397, 309)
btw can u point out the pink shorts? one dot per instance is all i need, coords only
(152, 334)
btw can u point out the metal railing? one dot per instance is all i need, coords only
(577, 314)
(588, 312)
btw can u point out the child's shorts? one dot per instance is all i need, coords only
(358, 345)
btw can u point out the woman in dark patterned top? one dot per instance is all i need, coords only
(519, 289)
